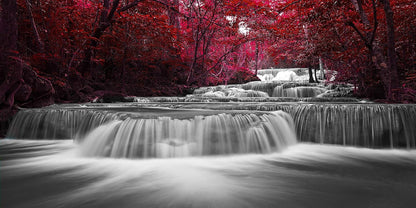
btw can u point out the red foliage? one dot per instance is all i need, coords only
(153, 43)
(351, 40)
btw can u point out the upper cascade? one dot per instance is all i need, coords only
(163, 137)
(262, 89)
(284, 83)
(284, 74)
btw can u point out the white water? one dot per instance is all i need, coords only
(52, 174)
(261, 89)
(211, 135)
(279, 91)
(366, 125)
(118, 157)
(289, 74)
(272, 84)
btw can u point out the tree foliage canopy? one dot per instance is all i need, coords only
(138, 46)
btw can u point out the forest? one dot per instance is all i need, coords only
(77, 50)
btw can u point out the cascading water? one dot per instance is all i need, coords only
(262, 89)
(42, 167)
(286, 76)
(365, 125)
(51, 123)
(358, 125)
(235, 92)
(280, 84)
(122, 133)
(280, 91)
(211, 135)
(290, 74)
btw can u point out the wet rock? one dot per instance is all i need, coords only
(37, 90)
(87, 89)
(111, 97)
(23, 93)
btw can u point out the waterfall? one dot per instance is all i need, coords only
(358, 125)
(280, 91)
(285, 76)
(266, 87)
(50, 123)
(234, 93)
(198, 136)
(266, 77)
(366, 125)
(262, 89)
(200, 99)
(228, 146)
(274, 72)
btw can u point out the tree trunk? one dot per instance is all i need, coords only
(358, 4)
(106, 17)
(40, 43)
(394, 83)
(257, 58)
(321, 69)
(386, 66)
(316, 78)
(173, 14)
(18, 84)
(311, 80)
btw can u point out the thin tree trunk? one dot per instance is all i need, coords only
(387, 66)
(41, 44)
(106, 17)
(257, 57)
(394, 84)
(316, 78)
(195, 55)
(321, 69)
(173, 14)
(311, 80)
(358, 4)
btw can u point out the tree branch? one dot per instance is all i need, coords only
(287, 6)
(373, 33)
(113, 10)
(228, 52)
(351, 24)
(129, 6)
(39, 41)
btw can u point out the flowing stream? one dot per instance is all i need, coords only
(251, 145)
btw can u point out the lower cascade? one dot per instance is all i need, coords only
(202, 135)
(353, 124)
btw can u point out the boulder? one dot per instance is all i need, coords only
(110, 97)
(23, 93)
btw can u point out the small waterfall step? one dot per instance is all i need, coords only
(162, 137)
(274, 89)
(213, 99)
(358, 124)
(74, 121)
